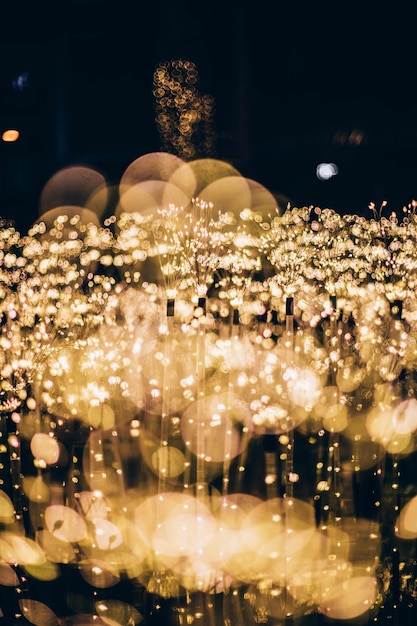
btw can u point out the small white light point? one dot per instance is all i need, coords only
(325, 171)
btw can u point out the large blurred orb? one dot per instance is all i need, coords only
(6, 509)
(383, 425)
(98, 573)
(279, 527)
(228, 194)
(407, 521)
(56, 550)
(26, 551)
(151, 166)
(65, 524)
(111, 611)
(405, 417)
(45, 447)
(149, 197)
(38, 613)
(8, 577)
(350, 598)
(75, 186)
(205, 172)
(168, 461)
(157, 511)
(221, 421)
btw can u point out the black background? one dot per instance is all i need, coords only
(293, 83)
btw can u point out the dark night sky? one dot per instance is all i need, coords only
(294, 85)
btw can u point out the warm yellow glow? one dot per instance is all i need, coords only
(350, 598)
(184, 116)
(191, 391)
(45, 447)
(10, 135)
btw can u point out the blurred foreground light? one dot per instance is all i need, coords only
(325, 171)
(10, 135)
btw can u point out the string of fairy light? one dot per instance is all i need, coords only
(73, 270)
(88, 339)
(184, 117)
